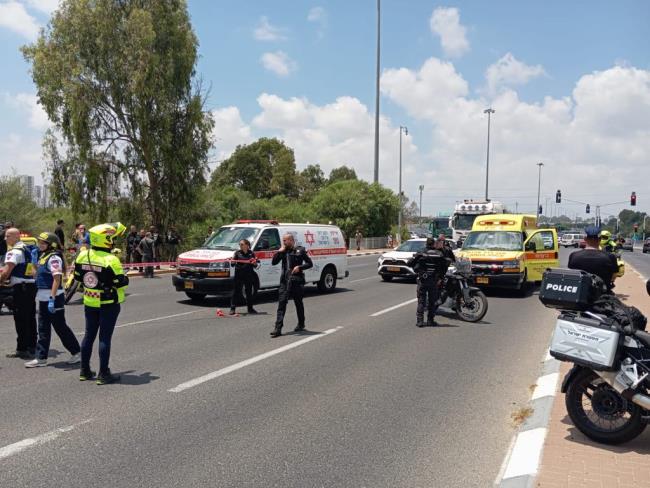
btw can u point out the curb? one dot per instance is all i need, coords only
(521, 464)
(636, 271)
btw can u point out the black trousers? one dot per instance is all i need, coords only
(292, 290)
(428, 294)
(245, 283)
(25, 316)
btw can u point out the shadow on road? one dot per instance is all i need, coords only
(136, 379)
(264, 296)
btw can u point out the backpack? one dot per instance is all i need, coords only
(623, 315)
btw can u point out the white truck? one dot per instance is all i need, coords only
(208, 271)
(466, 211)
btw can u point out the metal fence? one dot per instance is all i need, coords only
(370, 243)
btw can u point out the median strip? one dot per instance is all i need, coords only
(242, 364)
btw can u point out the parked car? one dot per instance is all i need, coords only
(570, 240)
(393, 264)
(627, 245)
(646, 245)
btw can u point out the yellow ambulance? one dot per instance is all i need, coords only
(509, 251)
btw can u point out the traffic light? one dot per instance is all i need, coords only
(588, 209)
(633, 199)
(558, 197)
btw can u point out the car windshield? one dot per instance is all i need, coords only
(463, 221)
(227, 238)
(494, 240)
(411, 246)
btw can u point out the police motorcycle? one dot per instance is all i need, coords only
(607, 391)
(469, 303)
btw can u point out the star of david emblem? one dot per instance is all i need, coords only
(309, 238)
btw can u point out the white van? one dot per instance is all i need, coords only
(571, 240)
(207, 270)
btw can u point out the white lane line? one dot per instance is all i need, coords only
(363, 279)
(146, 321)
(525, 455)
(546, 386)
(390, 309)
(248, 362)
(19, 446)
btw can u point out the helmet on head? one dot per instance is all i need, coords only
(51, 239)
(103, 235)
(605, 235)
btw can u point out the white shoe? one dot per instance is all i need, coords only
(75, 358)
(36, 363)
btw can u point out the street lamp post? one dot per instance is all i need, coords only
(421, 188)
(539, 186)
(376, 179)
(399, 215)
(489, 112)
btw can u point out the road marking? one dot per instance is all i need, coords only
(146, 321)
(19, 446)
(363, 279)
(248, 362)
(390, 309)
(546, 386)
(526, 452)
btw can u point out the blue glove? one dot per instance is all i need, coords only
(50, 305)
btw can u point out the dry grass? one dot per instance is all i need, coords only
(520, 415)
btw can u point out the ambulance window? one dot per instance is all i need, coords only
(268, 241)
(544, 240)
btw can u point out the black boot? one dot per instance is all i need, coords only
(276, 332)
(252, 311)
(431, 322)
(299, 328)
(419, 322)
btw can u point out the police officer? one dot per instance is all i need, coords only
(18, 269)
(244, 264)
(294, 261)
(104, 283)
(51, 302)
(606, 241)
(592, 260)
(430, 265)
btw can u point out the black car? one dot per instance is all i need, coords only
(646, 246)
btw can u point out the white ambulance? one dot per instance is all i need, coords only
(207, 270)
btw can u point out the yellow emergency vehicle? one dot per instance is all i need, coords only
(509, 251)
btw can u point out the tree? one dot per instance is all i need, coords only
(264, 168)
(16, 204)
(342, 173)
(311, 180)
(117, 79)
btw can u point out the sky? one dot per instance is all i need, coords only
(569, 83)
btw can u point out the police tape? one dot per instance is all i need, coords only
(185, 263)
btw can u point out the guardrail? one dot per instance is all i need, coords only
(370, 243)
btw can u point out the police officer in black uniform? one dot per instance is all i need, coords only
(592, 260)
(295, 261)
(244, 264)
(430, 265)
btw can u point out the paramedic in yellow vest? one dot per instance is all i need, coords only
(104, 283)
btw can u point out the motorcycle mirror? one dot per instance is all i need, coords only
(647, 286)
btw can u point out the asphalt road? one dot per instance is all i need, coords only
(373, 402)
(640, 261)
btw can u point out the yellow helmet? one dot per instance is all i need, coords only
(103, 235)
(605, 235)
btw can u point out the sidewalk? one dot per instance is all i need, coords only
(571, 460)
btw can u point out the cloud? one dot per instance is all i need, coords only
(14, 17)
(229, 131)
(279, 63)
(27, 104)
(445, 23)
(265, 31)
(595, 142)
(509, 71)
(21, 155)
(44, 6)
(318, 15)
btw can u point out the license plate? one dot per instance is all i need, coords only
(189, 285)
(393, 269)
(482, 280)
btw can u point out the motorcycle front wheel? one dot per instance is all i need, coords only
(599, 412)
(474, 309)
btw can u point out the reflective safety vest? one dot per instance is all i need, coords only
(44, 278)
(26, 269)
(102, 276)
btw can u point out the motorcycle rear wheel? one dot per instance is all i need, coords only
(475, 309)
(599, 412)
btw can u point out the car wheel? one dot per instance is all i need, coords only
(327, 281)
